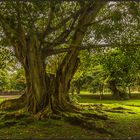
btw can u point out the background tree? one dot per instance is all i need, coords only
(120, 70)
(115, 68)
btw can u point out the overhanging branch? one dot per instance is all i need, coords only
(48, 51)
(49, 29)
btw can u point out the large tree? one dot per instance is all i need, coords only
(34, 29)
(37, 30)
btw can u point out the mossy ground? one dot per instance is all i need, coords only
(123, 122)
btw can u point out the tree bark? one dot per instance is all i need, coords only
(30, 56)
(36, 82)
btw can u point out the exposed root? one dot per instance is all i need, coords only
(13, 104)
(86, 121)
(69, 112)
(56, 112)
(67, 108)
(73, 116)
(13, 115)
(119, 108)
(44, 114)
(8, 119)
(95, 115)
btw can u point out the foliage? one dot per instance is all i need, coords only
(12, 81)
(4, 81)
(18, 80)
(11, 75)
(6, 57)
(120, 24)
(119, 67)
(98, 69)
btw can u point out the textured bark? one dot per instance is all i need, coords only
(63, 78)
(37, 97)
(30, 56)
(70, 63)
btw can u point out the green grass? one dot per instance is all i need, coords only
(43, 129)
(108, 99)
(126, 102)
(123, 121)
(85, 92)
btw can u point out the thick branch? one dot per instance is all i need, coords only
(60, 24)
(62, 38)
(48, 52)
(86, 17)
(50, 17)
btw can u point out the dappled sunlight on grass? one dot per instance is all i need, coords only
(123, 122)
(125, 114)
(107, 99)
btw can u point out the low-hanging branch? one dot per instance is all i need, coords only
(48, 51)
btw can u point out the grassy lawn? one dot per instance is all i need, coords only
(86, 97)
(125, 102)
(123, 122)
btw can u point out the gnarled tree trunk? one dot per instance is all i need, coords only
(37, 96)
(46, 92)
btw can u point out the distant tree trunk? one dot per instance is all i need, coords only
(101, 91)
(129, 91)
(78, 90)
(116, 92)
(77, 86)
